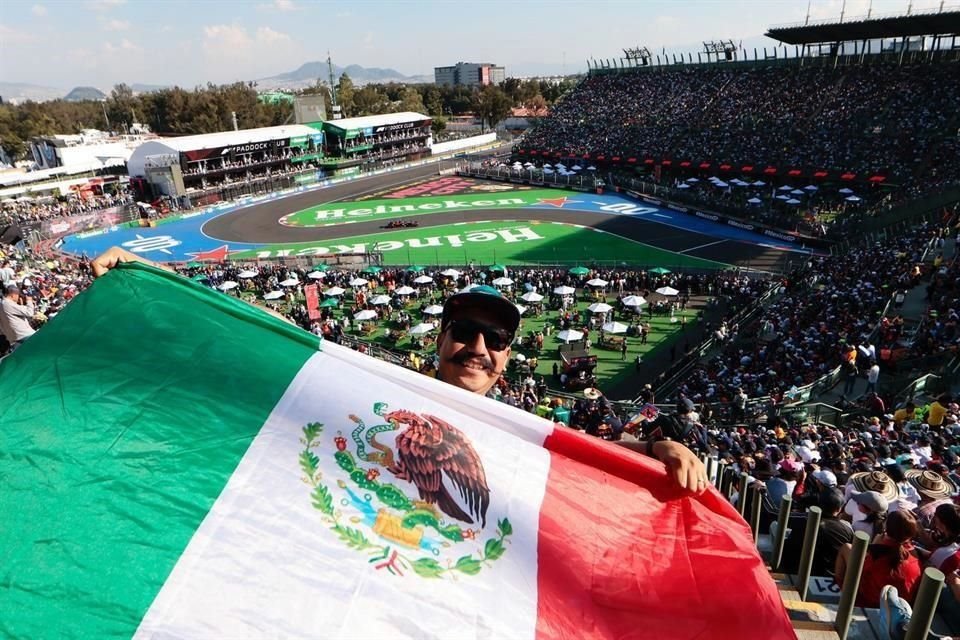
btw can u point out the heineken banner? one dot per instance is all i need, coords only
(179, 464)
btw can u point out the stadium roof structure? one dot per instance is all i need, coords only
(230, 138)
(369, 122)
(183, 144)
(902, 26)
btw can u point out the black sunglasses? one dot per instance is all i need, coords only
(465, 330)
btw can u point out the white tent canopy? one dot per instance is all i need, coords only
(667, 291)
(359, 282)
(531, 296)
(634, 301)
(564, 290)
(405, 291)
(433, 310)
(423, 280)
(422, 328)
(334, 291)
(599, 307)
(569, 335)
(273, 295)
(227, 285)
(381, 299)
(615, 327)
(366, 314)
(597, 282)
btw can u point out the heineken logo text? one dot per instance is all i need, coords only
(506, 236)
(445, 205)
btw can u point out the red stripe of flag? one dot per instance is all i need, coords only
(622, 553)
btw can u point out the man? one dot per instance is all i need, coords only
(15, 315)
(476, 330)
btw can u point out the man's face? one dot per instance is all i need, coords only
(467, 359)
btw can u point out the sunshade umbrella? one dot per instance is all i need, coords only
(329, 302)
(372, 269)
(315, 275)
(422, 328)
(334, 291)
(415, 268)
(359, 282)
(520, 308)
(498, 267)
(576, 167)
(782, 197)
(450, 273)
(853, 199)
(579, 271)
(615, 327)
(759, 183)
(798, 192)
(811, 187)
(599, 307)
(197, 265)
(693, 180)
(660, 271)
(755, 201)
(366, 314)
(200, 278)
(569, 335)
(720, 184)
(784, 188)
(290, 282)
(667, 291)
(433, 310)
(321, 267)
(405, 291)
(793, 201)
(247, 273)
(591, 168)
(633, 301)
(503, 282)
(597, 282)
(683, 186)
(423, 280)
(844, 190)
(548, 171)
(547, 166)
(273, 295)
(381, 299)
(227, 285)
(531, 296)
(564, 290)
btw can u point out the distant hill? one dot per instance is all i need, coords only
(78, 94)
(308, 73)
(17, 92)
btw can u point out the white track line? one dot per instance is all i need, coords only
(709, 244)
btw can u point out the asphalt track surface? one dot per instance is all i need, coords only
(260, 224)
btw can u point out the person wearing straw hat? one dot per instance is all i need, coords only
(934, 490)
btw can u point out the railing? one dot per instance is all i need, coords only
(533, 176)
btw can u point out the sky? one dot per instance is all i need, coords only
(66, 43)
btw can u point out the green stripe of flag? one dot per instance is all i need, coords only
(116, 436)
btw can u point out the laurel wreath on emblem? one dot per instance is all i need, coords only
(428, 449)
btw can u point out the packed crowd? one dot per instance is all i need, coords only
(35, 209)
(891, 473)
(744, 116)
(829, 307)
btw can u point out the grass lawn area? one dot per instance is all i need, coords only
(611, 369)
(506, 242)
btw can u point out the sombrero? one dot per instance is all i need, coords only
(591, 394)
(930, 484)
(875, 481)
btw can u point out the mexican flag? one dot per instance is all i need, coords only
(177, 464)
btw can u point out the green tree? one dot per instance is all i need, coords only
(438, 125)
(492, 105)
(345, 93)
(410, 100)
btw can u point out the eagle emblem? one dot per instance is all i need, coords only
(411, 507)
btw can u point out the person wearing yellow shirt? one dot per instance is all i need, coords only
(938, 410)
(904, 414)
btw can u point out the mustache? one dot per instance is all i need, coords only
(464, 355)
